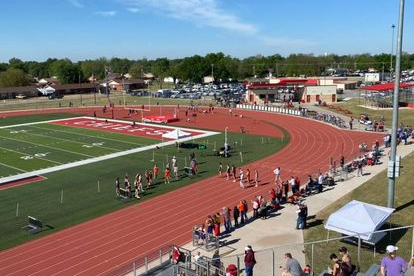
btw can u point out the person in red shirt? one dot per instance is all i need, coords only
(248, 176)
(167, 175)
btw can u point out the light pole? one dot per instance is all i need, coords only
(392, 51)
(212, 71)
(225, 142)
(393, 168)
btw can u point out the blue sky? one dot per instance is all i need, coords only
(88, 29)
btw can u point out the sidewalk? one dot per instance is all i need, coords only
(279, 229)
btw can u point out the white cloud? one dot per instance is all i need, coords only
(76, 3)
(106, 13)
(199, 12)
(133, 10)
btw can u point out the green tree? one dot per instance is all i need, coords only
(13, 77)
(65, 71)
(17, 64)
(160, 69)
(38, 69)
(136, 70)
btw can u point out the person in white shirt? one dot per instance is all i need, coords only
(277, 175)
(241, 173)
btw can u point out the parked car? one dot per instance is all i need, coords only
(55, 96)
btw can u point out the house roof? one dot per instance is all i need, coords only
(74, 86)
(17, 89)
(386, 86)
(282, 82)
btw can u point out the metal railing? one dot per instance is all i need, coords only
(316, 253)
(144, 264)
(206, 241)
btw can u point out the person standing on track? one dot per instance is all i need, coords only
(234, 171)
(277, 175)
(241, 173)
(248, 176)
(256, 178)
(228, 172)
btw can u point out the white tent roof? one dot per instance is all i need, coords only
(358, 217)
(46, 90)
(176, 134)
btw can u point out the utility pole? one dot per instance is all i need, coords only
(393, 164)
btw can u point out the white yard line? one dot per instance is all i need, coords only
(102, 158)
(49, 147)
(24, 154)
(97, 137)
(71, 141)
(12, 167)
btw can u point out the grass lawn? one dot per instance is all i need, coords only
(406, 116)
(373, 191)
(82, 201)
(8, 121)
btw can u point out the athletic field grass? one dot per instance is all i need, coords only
(406, 116)
(81, 199)
(373, 191)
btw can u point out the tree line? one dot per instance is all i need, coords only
(192, 69)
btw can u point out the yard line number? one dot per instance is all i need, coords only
(36, 155)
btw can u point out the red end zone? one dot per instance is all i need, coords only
(137, 129)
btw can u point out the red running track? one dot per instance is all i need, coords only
(98, 245)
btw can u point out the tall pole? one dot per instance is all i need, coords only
(225, 141)
(392, 51)
(106, 82)
(212, 71)
(391, 164)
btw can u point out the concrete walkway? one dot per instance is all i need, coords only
(279, 229)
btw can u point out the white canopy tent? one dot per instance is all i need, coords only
(360, 218)
(176, 134)
(46, 90)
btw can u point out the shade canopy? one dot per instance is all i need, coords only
(176, 134)
(358, 217)
(385, 86)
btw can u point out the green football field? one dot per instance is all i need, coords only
(37, 146)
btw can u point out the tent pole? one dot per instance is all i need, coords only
(359, 253)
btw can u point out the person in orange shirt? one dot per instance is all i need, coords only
(167, 175)
(241, 210)
(155, 170)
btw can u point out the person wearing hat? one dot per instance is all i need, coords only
(391, 264)
(249, 260)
